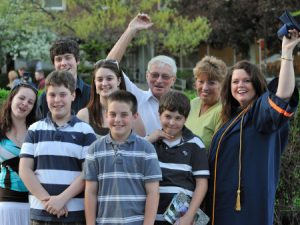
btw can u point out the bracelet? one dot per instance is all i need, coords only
(288, 59)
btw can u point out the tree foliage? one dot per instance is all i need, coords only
(29, 28)
(239, 23)
(103, 22)
(23, 31)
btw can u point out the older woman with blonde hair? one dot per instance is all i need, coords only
(204, 118)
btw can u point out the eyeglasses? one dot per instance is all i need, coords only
(155, 75)
(25, 84)
(101, 62)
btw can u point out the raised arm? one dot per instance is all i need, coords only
(140, 22)
(286, 83)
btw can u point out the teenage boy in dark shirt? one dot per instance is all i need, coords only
(64, 55)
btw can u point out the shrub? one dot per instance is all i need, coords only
(190, 94)
(3, 95)
(287, 208)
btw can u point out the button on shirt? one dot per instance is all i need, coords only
(147, 106)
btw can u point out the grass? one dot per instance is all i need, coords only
(190, 94)
(3, 94)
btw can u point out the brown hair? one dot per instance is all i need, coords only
(58, 78)
(126, 97)
(175, 101)
(63, 46)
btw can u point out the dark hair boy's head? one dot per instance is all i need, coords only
(58, 78)
(175, 101)
(124, 96)
(64, 46)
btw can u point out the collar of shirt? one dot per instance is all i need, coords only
(71, 122)
(187, 134)
(130, 139)
(79, 84)
(150, 95)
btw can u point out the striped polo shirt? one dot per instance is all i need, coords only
(121, 171)
(181, 164)
(58, 153)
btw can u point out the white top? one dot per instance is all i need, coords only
(147, 106)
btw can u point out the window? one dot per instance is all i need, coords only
(58, 5)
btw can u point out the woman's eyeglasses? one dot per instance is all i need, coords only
(106, 61)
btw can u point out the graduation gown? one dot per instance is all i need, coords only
(265, 127)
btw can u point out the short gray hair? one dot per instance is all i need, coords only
(162, 60)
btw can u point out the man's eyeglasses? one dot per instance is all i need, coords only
(25, 84)
(101, 62)
(155, 75)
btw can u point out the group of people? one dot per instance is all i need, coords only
(127, 152)
(15, 77)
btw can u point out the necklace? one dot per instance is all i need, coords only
(18, 140)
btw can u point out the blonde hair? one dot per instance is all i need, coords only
(12, 75)
(211, 66)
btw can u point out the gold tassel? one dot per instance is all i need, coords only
(238, 201)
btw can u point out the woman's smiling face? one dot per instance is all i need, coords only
(242, 88)
(106, 82)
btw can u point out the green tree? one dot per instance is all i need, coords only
(100, 23)
(23, 31)
(28, 28)
(239, 23)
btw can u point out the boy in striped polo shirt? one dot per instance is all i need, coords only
(121, 170)
(52, 157)
(181, 156)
